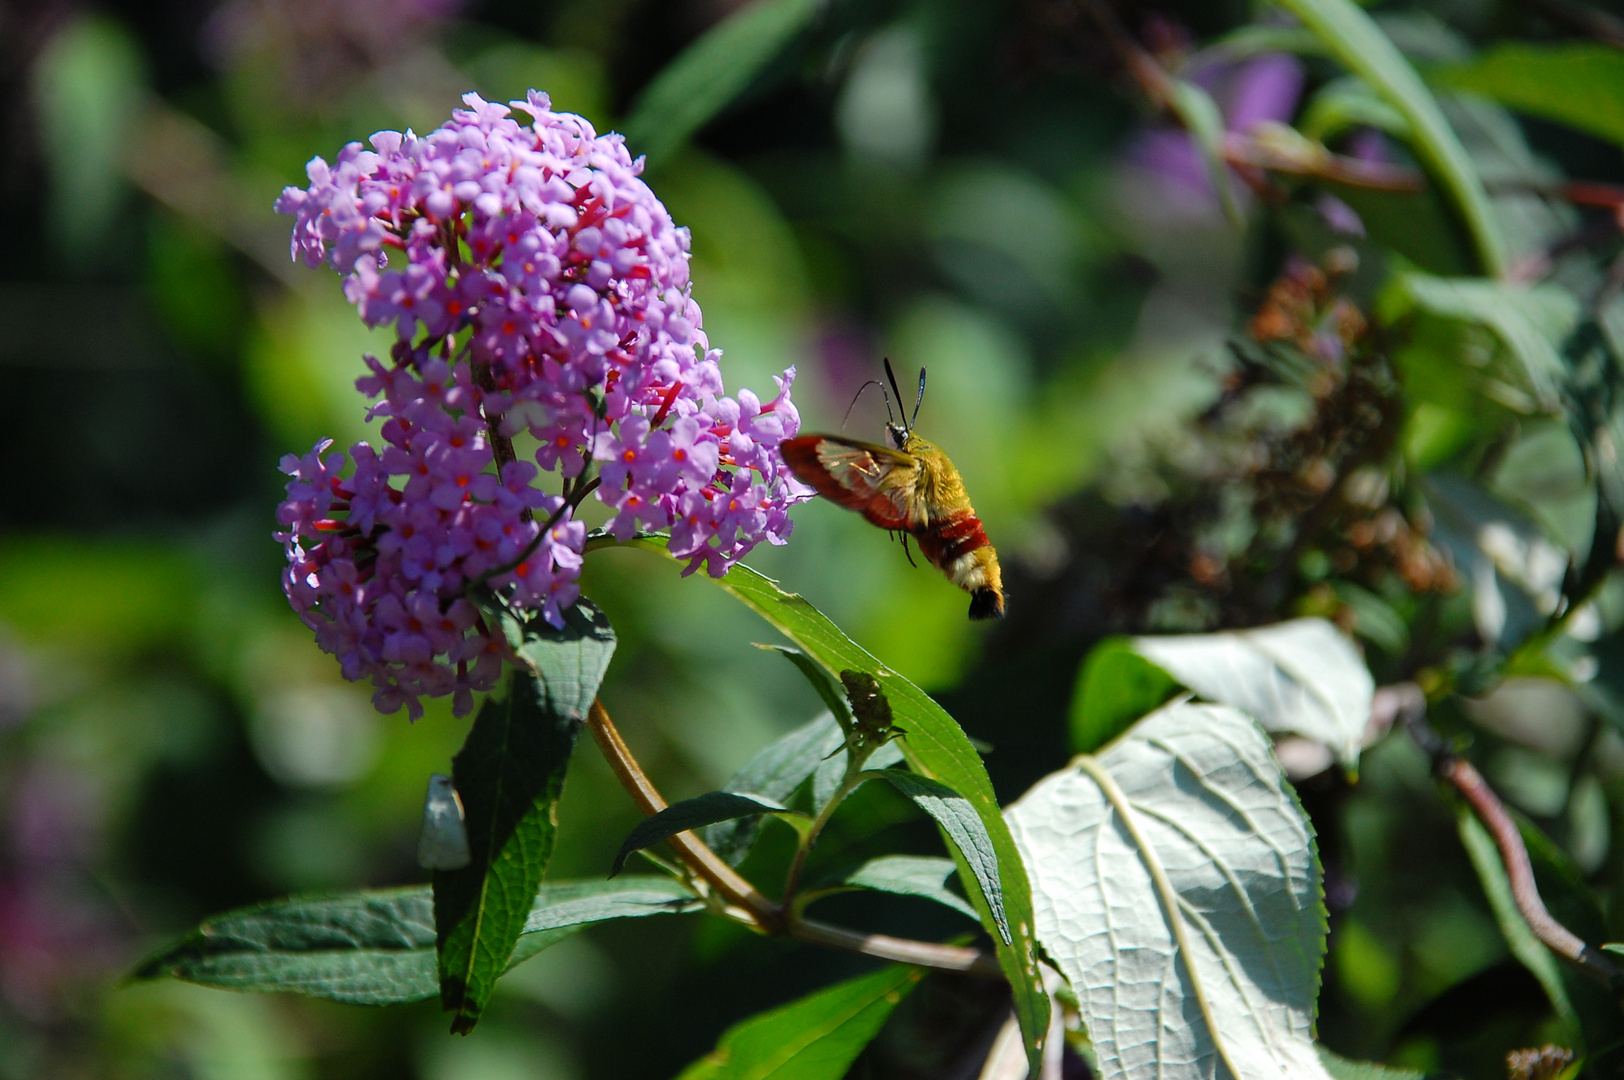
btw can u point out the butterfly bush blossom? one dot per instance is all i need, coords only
(537, 287)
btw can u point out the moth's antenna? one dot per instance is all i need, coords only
(891, 375)
(920, 399)
(858, 396)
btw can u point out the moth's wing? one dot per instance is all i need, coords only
(876, 481)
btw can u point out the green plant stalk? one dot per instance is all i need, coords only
(857, 756)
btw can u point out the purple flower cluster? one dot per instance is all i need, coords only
(540, 290)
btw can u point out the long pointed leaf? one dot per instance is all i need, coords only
(963, 826)
(707, 809)
(711, 72)
(815, 1038)
(1355, 39)
(911, 875)
(510, 774)
(934, 746)
(376, 947)
(775, 772)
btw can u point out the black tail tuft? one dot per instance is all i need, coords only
(986, 603)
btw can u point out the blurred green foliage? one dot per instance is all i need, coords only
(963, 185)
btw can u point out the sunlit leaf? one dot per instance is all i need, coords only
(911, 875)
(1342, 1068)
(775, 773)
(964, 828)
(712, 72)
(1580, 84)
(1178, 890)
(1355, 39)
(707, 809)
(377, 947)
(1301, 676)
(934, 746)
(510, 774)
(815, 1038)
(1115, 687)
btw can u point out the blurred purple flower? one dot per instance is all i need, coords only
(1260, 90)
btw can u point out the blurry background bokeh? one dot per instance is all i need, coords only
(967, 185)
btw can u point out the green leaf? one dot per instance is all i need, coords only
(377, 947)
(934, 746)
(1529, 321)
(1178, 890)
(712, 72)
(1580, 84)
(1349, 103)
(911, 875)
(1355, 39)
(711, 807)
(1301, 676)
(834, 699)
(815, 1038)
(570, 662)
(1201, 118)
(963, 826)
(775, 773)
(1520, 938)
(1115, 687)
(510, 774)
(1342, 1068)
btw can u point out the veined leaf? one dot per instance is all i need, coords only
(711, 72)
(775, 773)
(827, 689)
(510, 774)
(1580, 84)
(1178, 890)
(815, 1038)
(1342, 1068)
(1355, 40)
(707, 809)
(376, 947)
(1115, 687)
(934, 746)
(911, 875)
(1530, 322)
(963, 826)
(1301, 676)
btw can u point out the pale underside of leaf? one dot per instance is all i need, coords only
(1301, 676)
(1177, 888)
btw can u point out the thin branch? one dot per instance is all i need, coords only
(738, 892)
(1507, 839)
(923, 953)
(695, 852)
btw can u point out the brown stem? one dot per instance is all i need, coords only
(694, 851)
(1519, 869)
(1507, 839)
(741, 894)
(902, 950)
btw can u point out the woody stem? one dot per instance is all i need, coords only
(768, 916)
